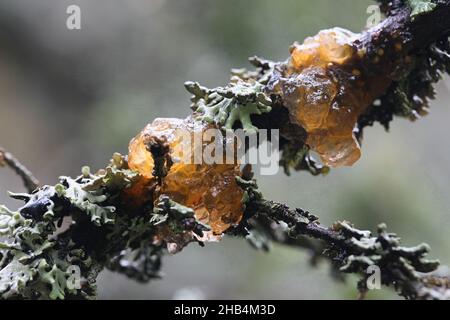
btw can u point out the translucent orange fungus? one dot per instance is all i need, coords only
(211, 190)
(324, 102)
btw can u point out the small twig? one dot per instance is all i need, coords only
(7, 159)
(352, 250)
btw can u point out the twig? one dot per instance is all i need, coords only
(7, 159)
(353, 251)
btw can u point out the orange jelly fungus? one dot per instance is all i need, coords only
(210, 190)
(325, 105)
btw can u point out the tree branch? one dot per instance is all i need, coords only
(7, 159)
(351, 250)
(119, 220)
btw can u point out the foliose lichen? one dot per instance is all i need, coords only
(56, 244)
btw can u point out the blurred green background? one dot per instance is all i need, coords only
(72, 98)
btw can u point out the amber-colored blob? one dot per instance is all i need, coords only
(140, 192)
(329, 46)
(211, 190)
(311, 97)
(325, 105)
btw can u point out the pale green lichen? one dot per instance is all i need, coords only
(179, 218)
(38, 253)
(231, 105)
(14, 278)
(87, 201)
(55, 277)
(419, 7)
(234, 104)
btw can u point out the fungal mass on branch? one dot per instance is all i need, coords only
(326, 85)
(209, 189)
(325, 91)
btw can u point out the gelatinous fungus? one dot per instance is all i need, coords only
(325, 93)
(209, 189)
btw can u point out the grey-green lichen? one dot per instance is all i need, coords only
(234, 104)
(227, 106)
(410, 95)
(419, 7)
(33, 264)
(349, 249)
(245, 97)
(56, 244)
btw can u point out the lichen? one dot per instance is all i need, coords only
(37, 254)
(230, 106)
(409, 96)
(419, 7)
